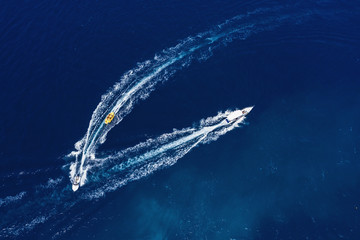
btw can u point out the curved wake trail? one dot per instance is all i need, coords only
(138, 83)
(51, 200)
(54, 199)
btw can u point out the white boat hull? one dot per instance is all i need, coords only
(233, 116)
(75, 187)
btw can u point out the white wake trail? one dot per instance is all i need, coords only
(138, 83)
(131, 164)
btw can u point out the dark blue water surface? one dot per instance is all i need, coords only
(291, 172)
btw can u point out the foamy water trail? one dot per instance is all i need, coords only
(139, 82)
(48, 206)
(54, 199)
(131, 164)
(10, 199)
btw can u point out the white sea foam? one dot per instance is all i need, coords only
(10, 199)
(16, 231)
(137, 83)
(120, 168)
(51, 183)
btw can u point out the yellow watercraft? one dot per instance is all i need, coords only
(109, 118)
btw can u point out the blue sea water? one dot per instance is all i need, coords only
(290, 172)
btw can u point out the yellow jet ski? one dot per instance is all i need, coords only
(109, 118)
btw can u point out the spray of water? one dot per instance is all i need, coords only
(53, 198)
(139, 82)
(117, 169)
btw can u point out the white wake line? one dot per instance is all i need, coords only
(137, 83)
(214, 36)
(10, 199)
(150, 154)
(203, 132)
(121, 102)
(153, 160)
(125, 97)
(128, 95)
